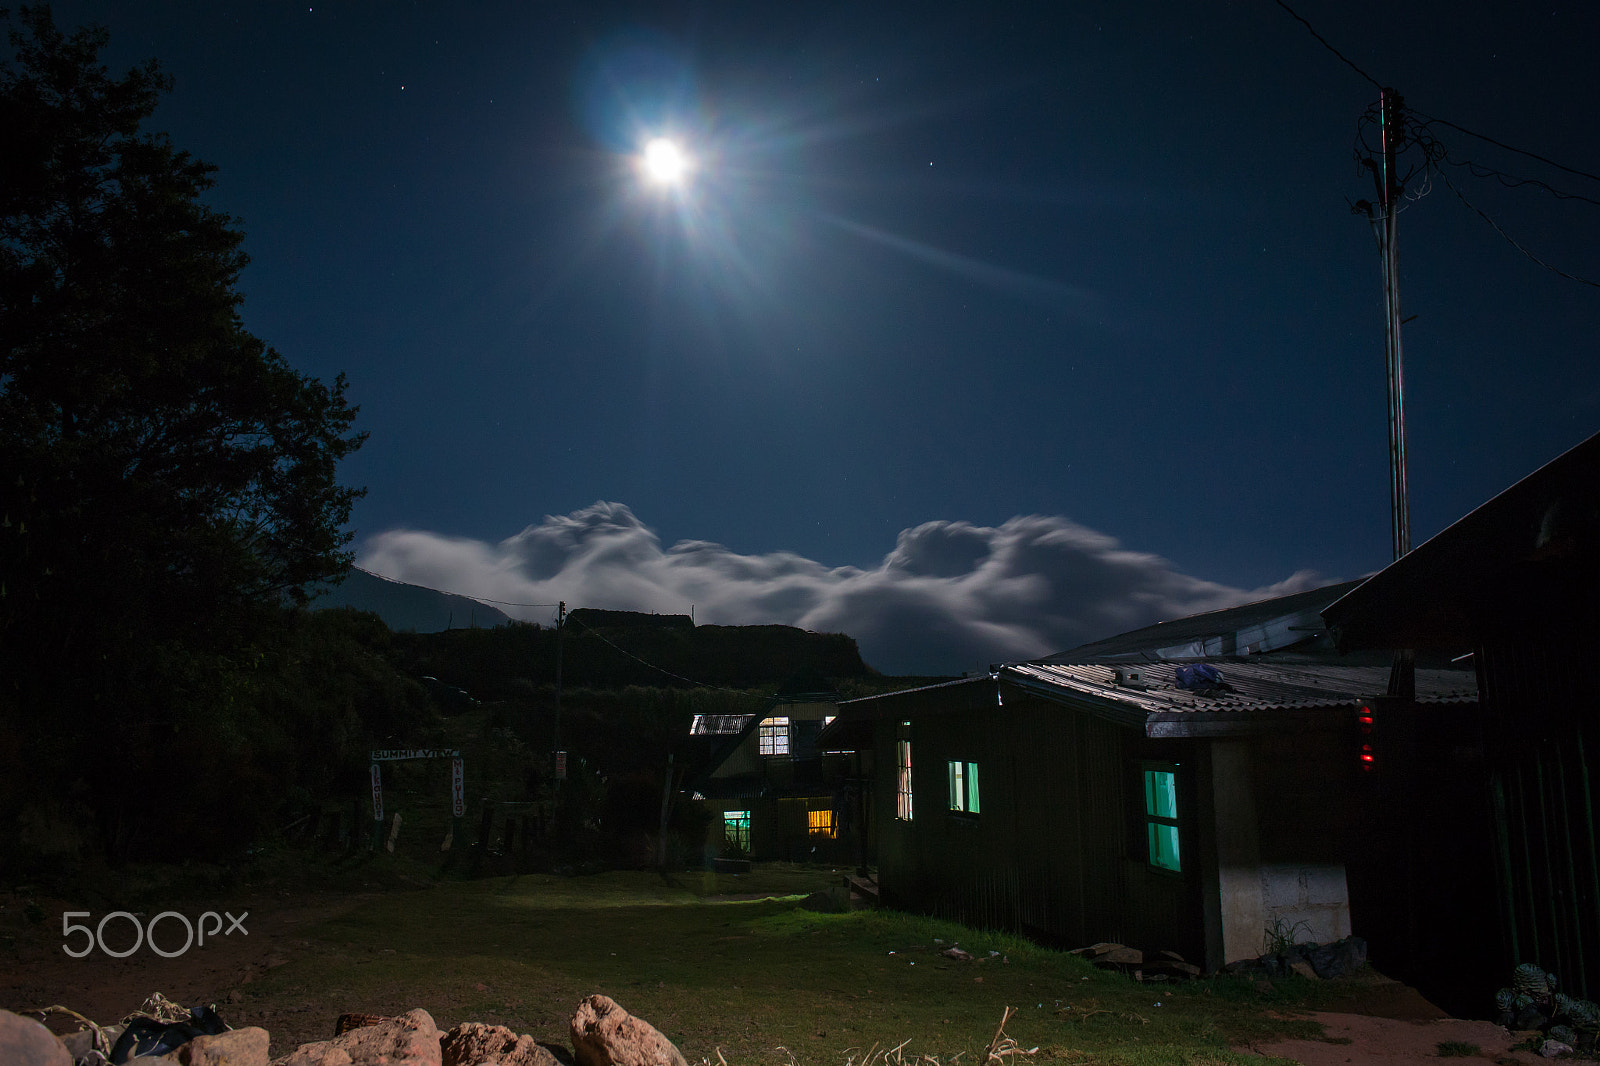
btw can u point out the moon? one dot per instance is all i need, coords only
(664, 162)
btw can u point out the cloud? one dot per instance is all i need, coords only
(951, 596)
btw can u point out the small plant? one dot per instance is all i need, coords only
(1456, 1049)
(1280, 936)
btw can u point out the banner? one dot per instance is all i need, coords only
(377, 793)
(396, 754)
(458, 788)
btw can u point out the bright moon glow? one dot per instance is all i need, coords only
(664, 161)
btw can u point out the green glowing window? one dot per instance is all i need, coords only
(736, 825)
(1161, 817)
(964, 787)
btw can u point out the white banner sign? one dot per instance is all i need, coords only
(396, 754)
(377, 793)
(458, 788)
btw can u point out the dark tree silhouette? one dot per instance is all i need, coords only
(167, 481)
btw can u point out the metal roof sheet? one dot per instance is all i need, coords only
(1257, 686)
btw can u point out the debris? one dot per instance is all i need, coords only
(957, 954)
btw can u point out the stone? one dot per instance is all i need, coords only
(603, 1034)
(477, 1044)
(1304, 969)
(81, 1043)
(25, 1042)
(409, 1040)
(1119, 955)
(238, 1047)
(1339, 958)
(1551, 1048)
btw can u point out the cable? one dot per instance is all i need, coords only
(1324, 42)
(1511, 181)
(1429, 119)
(463, 595)
(660, 670)
(1508, 238)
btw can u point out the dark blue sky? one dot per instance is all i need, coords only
(944, 263)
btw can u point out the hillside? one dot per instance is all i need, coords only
(406, 607)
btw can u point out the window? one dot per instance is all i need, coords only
(820, 823)
(736, 828)
(902, 798)
(775, 736)
(964, 787)
(1161, 816)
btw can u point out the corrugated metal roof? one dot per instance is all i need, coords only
(718, 724)
(1257, 686)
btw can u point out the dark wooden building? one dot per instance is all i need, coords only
(1076, 802)
(1513, 587)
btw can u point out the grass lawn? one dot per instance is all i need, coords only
(752, 980)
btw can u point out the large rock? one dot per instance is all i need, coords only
(477, 1044)
(409, 1040)
(603, 1034)
(239, 1047)
(24, 1042)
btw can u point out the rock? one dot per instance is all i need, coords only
(1303, 968)
(1339, 958)
(25, 1042)
(1119, 955)
(81, 1043)
(409, 1040)
(477, 1044)
(957, 954)
(1531, 1018)
(603, 1034)
(1551, 1048)
(239, 1047)
(828, 901)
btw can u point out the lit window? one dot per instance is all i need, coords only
(964, 787)
(1161, 818)
(820, 823)
(775, 736)
(736, 827)
(902, 798)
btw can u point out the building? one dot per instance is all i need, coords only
(772, 792)
(1512, 588)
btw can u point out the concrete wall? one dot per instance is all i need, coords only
(1302, 897)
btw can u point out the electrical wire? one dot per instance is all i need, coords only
(1509, 239)
(658, 669)
(1324, 42)
(1429, 119)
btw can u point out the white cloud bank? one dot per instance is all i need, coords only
(951, 596)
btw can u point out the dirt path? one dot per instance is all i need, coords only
(1368, 1041)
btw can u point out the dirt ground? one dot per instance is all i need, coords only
(1376, 1041)
(1388, 1024)
(36, 973)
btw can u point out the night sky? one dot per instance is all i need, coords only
(976, 330)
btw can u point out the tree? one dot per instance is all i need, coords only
(167, 480)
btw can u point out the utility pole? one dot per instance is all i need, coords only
(555, 749)
(1386, 219)
(1393, 134)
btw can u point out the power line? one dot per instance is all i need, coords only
(1511, 240)
(1428, 119)
(658, 669)
(1324, 42)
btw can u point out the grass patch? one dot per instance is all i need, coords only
(758, 980)
(1456, 1049)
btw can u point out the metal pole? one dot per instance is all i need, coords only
(561, 627)
(1402, 674)
(1393, 134)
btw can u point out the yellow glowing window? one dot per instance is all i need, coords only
(820, 823)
